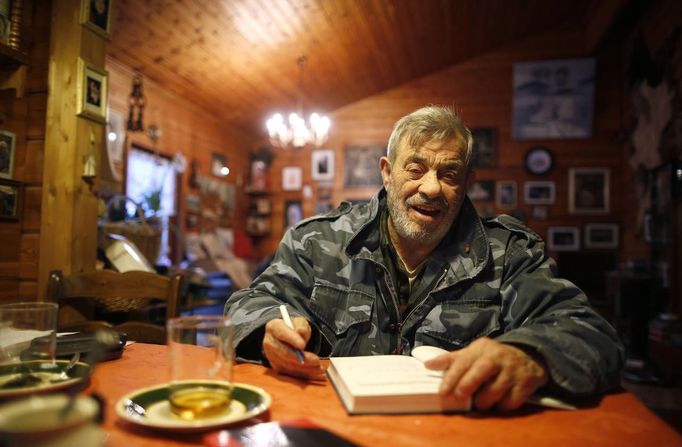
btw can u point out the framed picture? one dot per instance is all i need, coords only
(539, 193)
(538, 160)
(10, 196)
(322, 164)
(563, 238)
(506, 195)
(293, 213)
(554, 99)
(485, 148)
(219, 165)
(8, 142)
(588, 190)
(96, 16)
(292, 178)
(601, 235)
(361, 166)
(482, 190)
(92, 92)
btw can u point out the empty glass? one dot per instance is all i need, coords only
(28, 331)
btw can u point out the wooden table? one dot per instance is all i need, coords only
(617, 419)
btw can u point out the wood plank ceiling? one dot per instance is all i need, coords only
(237, 58)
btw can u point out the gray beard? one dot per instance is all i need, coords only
(408, 229)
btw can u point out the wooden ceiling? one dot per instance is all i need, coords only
(238, 58)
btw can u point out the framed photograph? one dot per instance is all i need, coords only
(322, 168)
(292, 178)
(588, 190)
(92, 92)
(219, 165)
(8, 142)
(539, 193)
(601, 235)
(361, 166)
(563, 238)
(506, 194)
(96, 16)
(538, 160)
(485, 148)
(482, 190)
(10, 196)
(554, 99)
(293, 213)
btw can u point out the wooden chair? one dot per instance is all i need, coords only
(80, 295)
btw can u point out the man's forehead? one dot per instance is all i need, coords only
(455, 146)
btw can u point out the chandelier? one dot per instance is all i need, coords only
(297, 132)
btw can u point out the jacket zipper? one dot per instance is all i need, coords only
(387, 290)
(414, 308)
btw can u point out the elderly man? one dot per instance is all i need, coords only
(418, 266)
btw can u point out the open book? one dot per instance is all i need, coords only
(399, 384)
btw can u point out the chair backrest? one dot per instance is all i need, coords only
(79, 294)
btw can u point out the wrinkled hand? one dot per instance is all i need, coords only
(496, 374)
(278, 346)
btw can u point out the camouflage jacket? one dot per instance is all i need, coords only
(492, 279)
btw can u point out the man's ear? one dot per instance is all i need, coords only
(385, 166)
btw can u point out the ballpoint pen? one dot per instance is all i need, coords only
(287, 320)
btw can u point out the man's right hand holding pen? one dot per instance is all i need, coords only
(279, 346)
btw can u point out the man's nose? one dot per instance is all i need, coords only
(430, 185)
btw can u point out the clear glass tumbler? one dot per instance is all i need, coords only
(28, 331)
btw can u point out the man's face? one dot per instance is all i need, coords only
(425, 188)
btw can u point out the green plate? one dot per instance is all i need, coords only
(149, 407)
(23, 378)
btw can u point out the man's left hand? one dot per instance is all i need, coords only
(496, 374)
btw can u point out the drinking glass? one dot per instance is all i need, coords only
(28, 331)
(201, 358)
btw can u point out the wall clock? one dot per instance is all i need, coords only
(539, 160)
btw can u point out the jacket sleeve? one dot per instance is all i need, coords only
(552, 316)
(287, 280)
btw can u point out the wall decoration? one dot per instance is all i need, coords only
(219, 166)
(482, 190)
(601, 235)
(485, 148)
(116, 136)
(506, 194)
(540, 212)
(322, 164)
(563, 238)
(92, 92)
(554, 99)
(293, 213)
(588, 190)
(539, 160)
(10, 195)
(539, 193)
(361, 167)
(292, 178)
(96, 16)
(8, 142)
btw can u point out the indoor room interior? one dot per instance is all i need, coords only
(155, 135)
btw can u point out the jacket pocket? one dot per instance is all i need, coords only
(340, 308)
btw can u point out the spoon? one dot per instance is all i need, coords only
(64, 375)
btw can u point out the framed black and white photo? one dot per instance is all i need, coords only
(563, 238)
(506, 194)
(96, 16)
(92, 92)
(8, 142)
(10, 195)
(293, 213)
(539, 193)
(601, 235)
(322, 168)
(361, 166)
(485, 148)
(292, 178)
(588, 190)
(482, 190)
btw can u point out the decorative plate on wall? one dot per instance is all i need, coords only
(539, 160)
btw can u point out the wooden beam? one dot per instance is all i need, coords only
(599, 21)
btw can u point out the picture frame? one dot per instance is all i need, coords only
(10, 199)
(507, 193)
(538, 160)
(361, 166)
(322, 164)
(93, 91)
(8, 143)
(96, 16)
(292, 178)
(293, 213)
(601, 235)
(539, 192)
(482, 190)
(588, 190)
(563, 238)
(485, 147)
